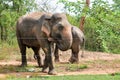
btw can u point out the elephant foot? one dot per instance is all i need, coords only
(52, 72)
(44, 70)
(73, 60)
(57, 60)
(40, 66)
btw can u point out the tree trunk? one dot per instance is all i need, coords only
(5, 34)
(82, 21)
(1, 33)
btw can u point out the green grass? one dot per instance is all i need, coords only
(70, 77)
(12, 52)
(8, 51)
(11, 69)
(75, 67)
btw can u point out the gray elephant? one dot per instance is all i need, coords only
(32, 31)
(35, 31)
(78, 41)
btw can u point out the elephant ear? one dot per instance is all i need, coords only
(46, 25)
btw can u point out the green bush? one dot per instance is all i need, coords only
(101, 28)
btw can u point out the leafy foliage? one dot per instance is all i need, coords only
(105, 31)
(10, 10)
(102, 25)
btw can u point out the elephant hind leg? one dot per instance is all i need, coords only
(37, 56)
(23, 53)
(83, 47)
(75, 55)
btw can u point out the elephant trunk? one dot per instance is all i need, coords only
(64, 45)
(65, 42)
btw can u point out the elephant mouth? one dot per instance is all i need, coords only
(63, 45)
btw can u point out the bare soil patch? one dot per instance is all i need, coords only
(96, 62)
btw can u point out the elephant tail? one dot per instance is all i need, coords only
(83, 47)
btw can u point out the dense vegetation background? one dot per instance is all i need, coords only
(101, 28)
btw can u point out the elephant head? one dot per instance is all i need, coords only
(60, 31)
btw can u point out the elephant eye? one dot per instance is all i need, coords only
(59, 19)
(60, 27)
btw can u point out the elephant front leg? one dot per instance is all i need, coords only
(45, 66)
(48, 62)
(56, 54)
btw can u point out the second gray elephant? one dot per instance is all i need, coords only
(78, 42)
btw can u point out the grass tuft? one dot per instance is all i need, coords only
(76, 67)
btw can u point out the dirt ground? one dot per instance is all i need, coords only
(96, 62)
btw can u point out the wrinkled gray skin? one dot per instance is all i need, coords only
(78, 41)
(61, 32)
(35, 30)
